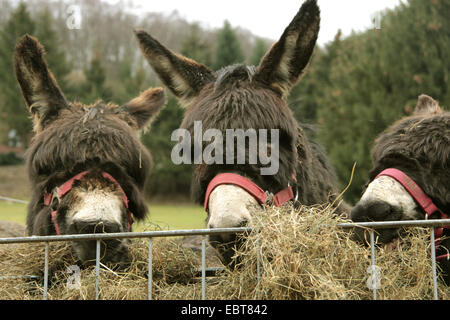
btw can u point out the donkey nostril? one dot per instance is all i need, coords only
(380, 210)
(243, 223)
(81, 226)
(356, 213)
(96, 227)
(373, 211)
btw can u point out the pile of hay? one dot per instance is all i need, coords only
(304, 255)
(171, 264)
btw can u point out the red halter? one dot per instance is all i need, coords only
(232, 178)
(421, 198)
(63, 189)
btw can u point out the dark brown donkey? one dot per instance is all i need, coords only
(410, 178)
(248, 98)
(86, 164)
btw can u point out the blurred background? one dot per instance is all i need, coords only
(372, 61)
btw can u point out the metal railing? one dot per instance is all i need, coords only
(432, 224)
(128, 235)
(204, 232)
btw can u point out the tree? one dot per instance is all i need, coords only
(375, 78)
(167, 178)
(158, 138)
(195, 48)
(228, 50)
(56, 56)
(95, 87)
(128, 83)
(259, 50)
(304, 98)
(13, 110)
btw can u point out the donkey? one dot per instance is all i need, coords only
(245, 97)
(410, 178)
(86, 164)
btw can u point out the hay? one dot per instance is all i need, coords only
(171, 264)
(304, 255)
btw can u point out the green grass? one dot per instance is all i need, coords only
(13, 212)
(172, 217)
(166, 217)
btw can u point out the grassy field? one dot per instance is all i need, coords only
(166, 217)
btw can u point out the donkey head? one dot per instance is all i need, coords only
(415, 145)
(246, 98)
(98, 145)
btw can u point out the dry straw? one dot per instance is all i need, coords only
(304, 255)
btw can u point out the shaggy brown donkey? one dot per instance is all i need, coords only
(247, 98)
(86, 164)
(416, 152)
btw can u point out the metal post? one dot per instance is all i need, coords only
(203, 268)
(374, 271)
(45, 271)
(258, 266)
(97, 268)
(433, 264)
(150, 268)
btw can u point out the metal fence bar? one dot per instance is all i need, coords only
(203, 267)
(374, 272)
(203, 232)
(13, 200)
(97, 267)
(433, 263)
(150, 268)
(123, 235)
(258, 266)
(194, 232)
(394, 224)
(45, 271)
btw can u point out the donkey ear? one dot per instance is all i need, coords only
(39, 88)
(146, 106)
(426, 104)
(183, 76)
(282, 65)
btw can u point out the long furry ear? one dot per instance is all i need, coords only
(183, 76)
(426, 104)
(283, 64)
(145, 108)
(42, 94)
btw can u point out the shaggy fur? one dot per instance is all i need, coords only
(72, 144)
(236, 101)
(72, 137)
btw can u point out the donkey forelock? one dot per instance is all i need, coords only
(231, 74)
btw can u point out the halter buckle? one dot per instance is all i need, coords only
(269, 198)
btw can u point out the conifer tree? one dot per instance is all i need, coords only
(95, 87)
(259, 50)
(13, 110)
(195, 48)
(228, 50)
(375, 78)
(55, 54)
